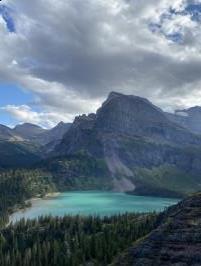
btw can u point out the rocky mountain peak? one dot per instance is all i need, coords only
(28, 126)
(128, 114)
(114, 95)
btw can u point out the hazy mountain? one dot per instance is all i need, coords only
(188, 118)
(29, 131)
(15, 150)
(7, 133)
(53, 137)
(27, 143)
(139, 144)
(55, 134)
(34, 133)
(176, 241)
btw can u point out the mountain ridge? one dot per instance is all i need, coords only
(145, 152)
(135, 137)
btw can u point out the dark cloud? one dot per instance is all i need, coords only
(72, 53)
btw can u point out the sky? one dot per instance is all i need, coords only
(59, 59)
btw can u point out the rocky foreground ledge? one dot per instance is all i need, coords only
(176, 241)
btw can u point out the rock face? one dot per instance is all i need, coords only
(176, 241)
(57, 132)
(130, 116)
(130, 133)
(135, 116)
(50, 138)
(188, 118)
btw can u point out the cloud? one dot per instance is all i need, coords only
(72, 53)
(24, 114)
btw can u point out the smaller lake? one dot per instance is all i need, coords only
(92, 203)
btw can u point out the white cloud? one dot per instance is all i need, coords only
(24, 113)
(72, 53)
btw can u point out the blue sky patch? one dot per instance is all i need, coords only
(12, 95)
(193, 9)
(5, 12)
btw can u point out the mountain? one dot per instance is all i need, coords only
(34, 134)
(176, 241)
(26, 144)
(15, 149)
(144, 150)
(188, 118)
(29, 131)
(18, 154)
(53, 136)
(7, 133)
(57, 132)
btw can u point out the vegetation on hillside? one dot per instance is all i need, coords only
(165, 180)
(16, 186)
(16, 154)
(79, 171)
(71, 241)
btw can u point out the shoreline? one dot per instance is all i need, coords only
(46, 196)
(28, 203)
(52, 195)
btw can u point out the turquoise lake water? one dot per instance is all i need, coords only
(92, 203)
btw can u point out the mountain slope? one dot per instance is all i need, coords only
(53, 136)
(36, 134)
(133, 136)
(7, 133)
(27, 143)
(176, 241)
(28, 131)
(18, 154)
(188, 118)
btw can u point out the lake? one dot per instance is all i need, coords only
(92, 203)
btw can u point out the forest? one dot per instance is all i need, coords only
(72, 241)
(17, 186)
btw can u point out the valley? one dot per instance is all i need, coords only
(100, 133)
(116, 172)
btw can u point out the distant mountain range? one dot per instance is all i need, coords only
(33, 133)
(27, 143)
(145, 150)
(188, 118)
